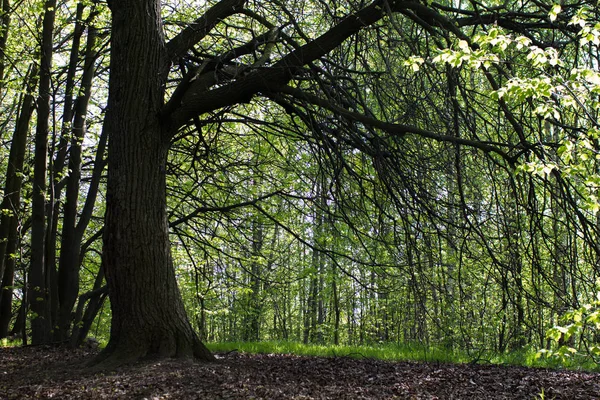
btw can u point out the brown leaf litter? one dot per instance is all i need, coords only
(40, 372)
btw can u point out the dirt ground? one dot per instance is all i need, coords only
(47, 372)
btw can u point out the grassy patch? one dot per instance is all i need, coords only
(393, 352)
(531, 358)
(380, 352)
(6, 342)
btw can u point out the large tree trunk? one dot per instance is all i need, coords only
(148, 316)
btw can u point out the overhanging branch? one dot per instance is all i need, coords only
(198, 29)
(222, 209)
(278, 75)
(391, 128)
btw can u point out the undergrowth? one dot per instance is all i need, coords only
(8, 342)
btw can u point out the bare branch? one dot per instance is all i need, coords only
(222, 209)
(198, 29)
(273, 78)
(390, 128)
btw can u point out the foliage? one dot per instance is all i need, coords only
(576, 337)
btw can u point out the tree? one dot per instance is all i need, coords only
(148, 316)
(12, 201)
(144, 114)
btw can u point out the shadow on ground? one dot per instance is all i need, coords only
(49, 372)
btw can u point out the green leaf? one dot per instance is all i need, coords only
(556, 9)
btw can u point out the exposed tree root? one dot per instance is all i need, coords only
(121, 352)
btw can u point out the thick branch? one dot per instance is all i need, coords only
(198, 29)
(277, 76)
(204, 76)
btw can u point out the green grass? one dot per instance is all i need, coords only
(6, 342)
(393, 352)
(380, 352)
(530, 358)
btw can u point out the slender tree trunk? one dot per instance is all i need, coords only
(315, 312)
(252, 325)
(12, 202)
(310, 313)
(148, 316)
(83, 320)
(57, 165)
(39, 297)
(336, 306)
(4, 30)
(12, 193)
(6, 294)
(20, 325)
(68, 109)
(68, 272)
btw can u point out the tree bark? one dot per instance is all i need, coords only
(148, 316)
(39, 297)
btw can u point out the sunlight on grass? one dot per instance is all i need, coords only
(6, 342)
(393, 352)
(381, 352)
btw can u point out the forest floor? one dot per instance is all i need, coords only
(46, 372)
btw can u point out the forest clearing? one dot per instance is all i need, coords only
(34, 373)
(178, 174)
